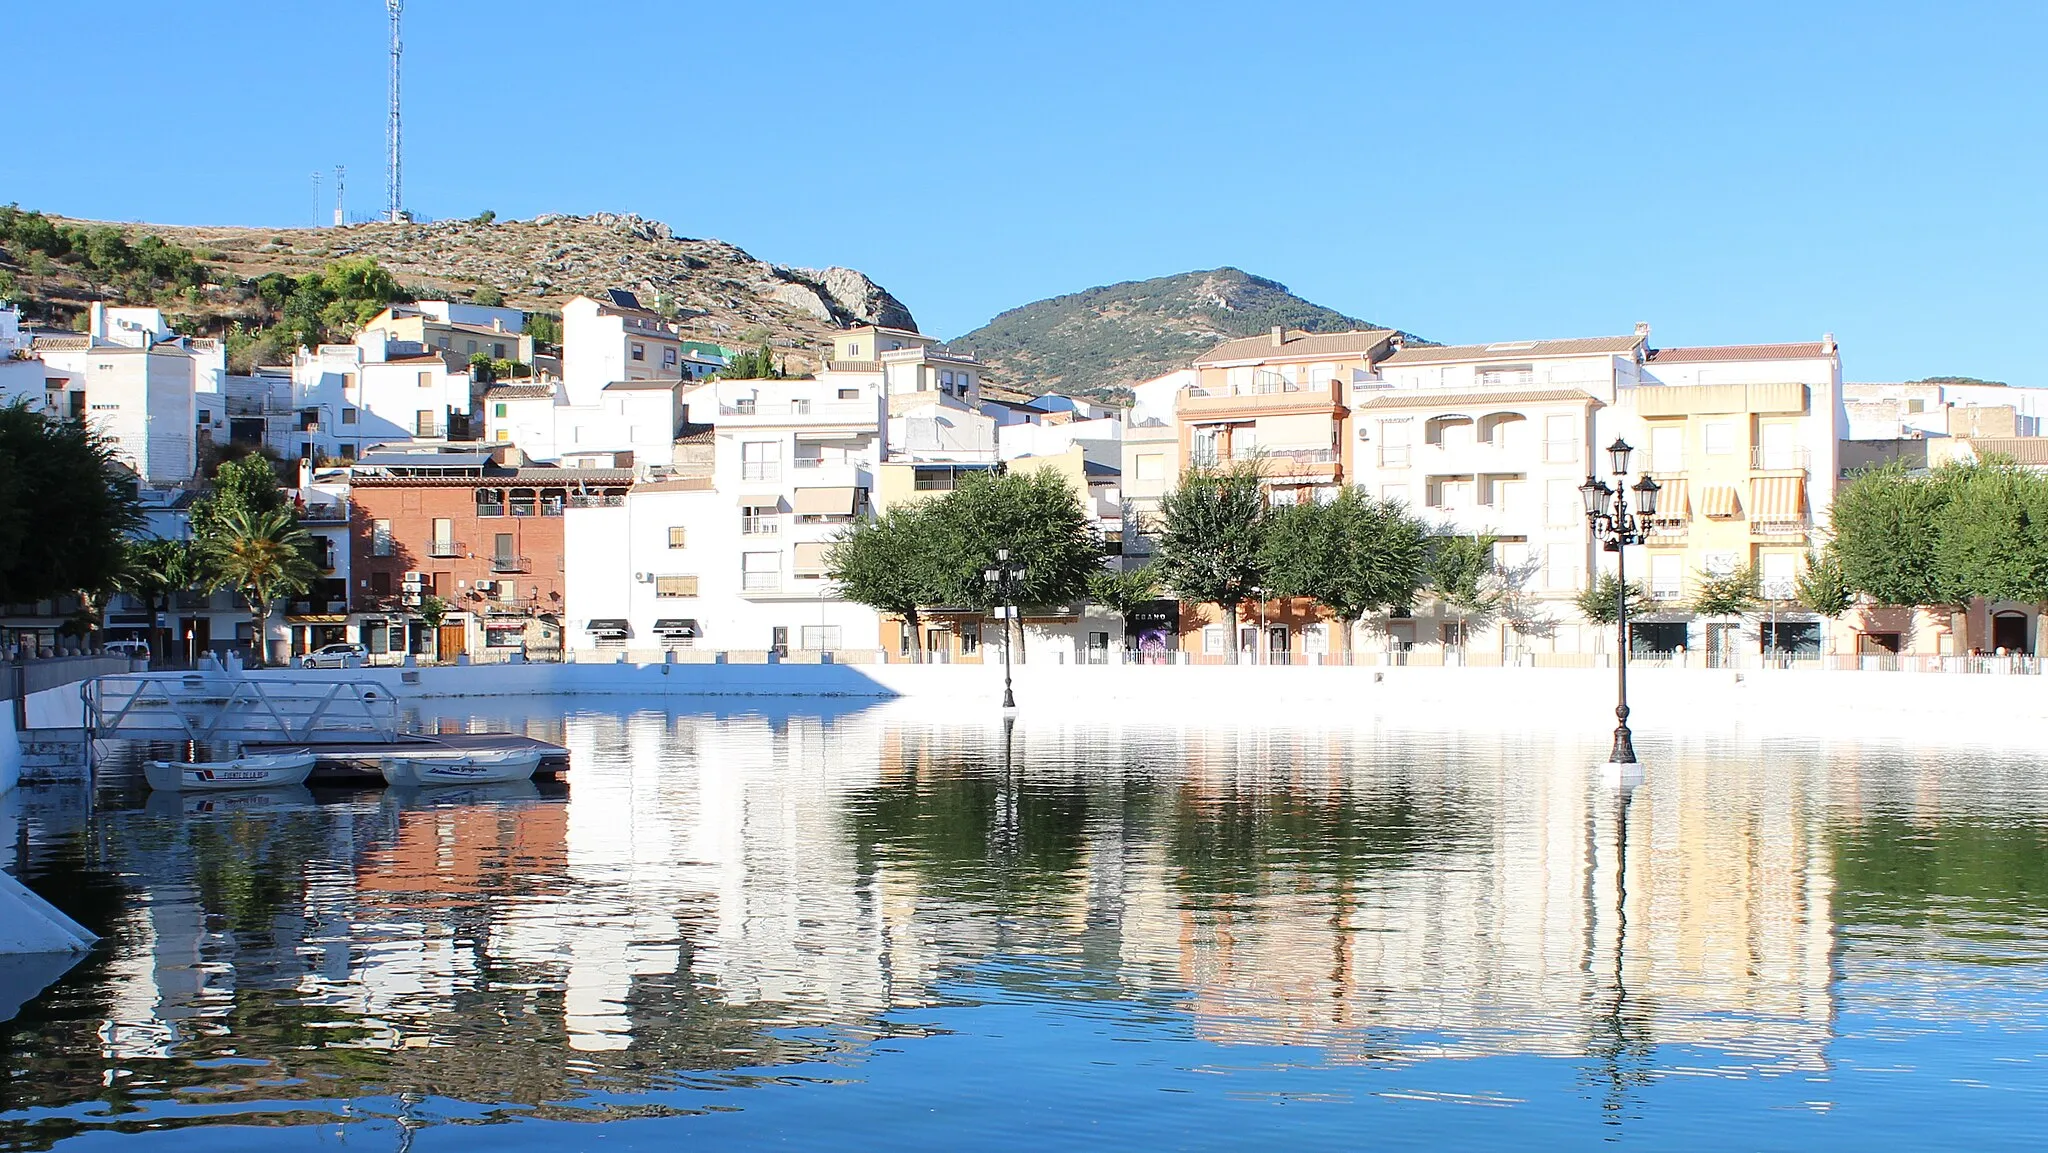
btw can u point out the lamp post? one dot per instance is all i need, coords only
(1617, 527)
(1005, 580)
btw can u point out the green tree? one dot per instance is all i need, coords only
(754, 364)
(65, 506)
(1990, 541)
(246, 484)
(1210, 534)
(484, 217)
(1824, 588)
(888, 564)
(1599, 601)
(1354, 556)
(1123, 592)
(545, 328)
(152, 571)
(488, 296)
(1460, 573)
(262, 557)
(1887, 528)
(1730, 594)
(481, 368)
(1034, 514)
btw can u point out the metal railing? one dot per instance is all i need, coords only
(588, 500)
(1762, 459)
(761, 582)
(501, 563)
(215, 706)
(444, 548)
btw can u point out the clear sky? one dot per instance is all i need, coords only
(1731, 172)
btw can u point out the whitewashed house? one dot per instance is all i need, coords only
(375, 390)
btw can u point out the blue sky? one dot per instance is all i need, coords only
(1730, 172)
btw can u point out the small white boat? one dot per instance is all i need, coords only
(260, 772)
(463, 768)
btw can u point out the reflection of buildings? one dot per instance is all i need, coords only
(710, 883)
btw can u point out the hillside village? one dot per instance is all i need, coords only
(646, 490)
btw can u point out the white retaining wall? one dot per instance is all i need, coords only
(1928, 706)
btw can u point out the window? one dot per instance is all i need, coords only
(1507, 376)
(1780, 569)
(497, 351)
(668, 357)
(945, 380)
(1560, 439)
(853, 351)
(1394, 443)
(760, 460)
(508, 592)
(423, 422)
(639, 352)
(933, 480)
(818, 638)
(205, 417)
(441, 342)
(1913, 406)
(849, 394)
(759, 520)
(380, 538)
(498, 410)
(1720, 437)
(348, 451)
(504, 435)
(1667, 576)
(970, 638)
(800, 407)
(348, 382)
(1562, 504)
(1215, 640)
(1667, 449)
(426, 380)
(1152, 466)
(675, 586)
(443, 542)
(676, 536)
(472, 348)
(1560, 567)
(502, 547)
(348, 416)
(760, 572)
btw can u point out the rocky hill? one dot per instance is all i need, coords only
(1101, 341)
(717, 290)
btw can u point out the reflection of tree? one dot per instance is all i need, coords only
(973, 832)
(1971, 879)
(1232, 844)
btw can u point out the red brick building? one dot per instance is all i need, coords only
(485, 539)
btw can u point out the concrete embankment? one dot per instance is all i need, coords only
(1932, 707)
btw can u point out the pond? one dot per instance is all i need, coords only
(876, 929)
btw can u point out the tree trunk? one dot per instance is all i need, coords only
(259, 620)
(916, 627)
(1230, 629)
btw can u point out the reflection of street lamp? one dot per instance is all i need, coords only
(1005, 580)
(1607, 511)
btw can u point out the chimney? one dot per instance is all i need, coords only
(498, 323)
(1279, 335)
(1643, 331)
(1827, 344)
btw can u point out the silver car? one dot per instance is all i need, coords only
(335, 656)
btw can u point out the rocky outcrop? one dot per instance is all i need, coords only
(716, 290)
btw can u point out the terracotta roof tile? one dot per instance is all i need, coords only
(1517, 350)
(1299, 343)
(1809, 350)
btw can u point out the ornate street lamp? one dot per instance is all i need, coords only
(1006, 581)
(1617, 527)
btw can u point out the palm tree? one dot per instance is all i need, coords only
(262, 557)
(152, 571)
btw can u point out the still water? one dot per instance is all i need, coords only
(870, 930)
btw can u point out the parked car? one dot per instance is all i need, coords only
(335, 656)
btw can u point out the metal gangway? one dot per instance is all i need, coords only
(225, 706)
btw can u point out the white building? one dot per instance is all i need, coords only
(136, 381)
(614, 339)
(375, 390)
(1919, 409)
(736, 560)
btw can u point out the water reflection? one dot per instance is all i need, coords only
(722, 901)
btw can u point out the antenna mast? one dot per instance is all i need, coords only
(339, 219)
(316, 198)
(395, 212)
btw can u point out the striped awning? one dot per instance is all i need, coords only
(1719, 501)
(1671, 498)
(811, 557)
(1777, 498)
(825, 501)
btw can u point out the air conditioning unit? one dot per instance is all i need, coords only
(643, 577)
(409, 600)
(414, 579)
(1364, 432)
(486, 586)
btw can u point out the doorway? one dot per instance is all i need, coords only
(452, 642)
(2009, 633)
(1278, 648)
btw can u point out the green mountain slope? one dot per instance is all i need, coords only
(1101, 341)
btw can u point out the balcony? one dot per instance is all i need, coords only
(596, 500)
(760, 470)
(1780, 529)
(761, 582)
(1256, 400)
(324, 513)
(444, 548)
(503, 563)
(760, 526)
(1764, 459)
(864, 413)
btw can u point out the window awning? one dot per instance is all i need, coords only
(1777, 498)
(609, 628)
(1719, 501)
(810, 556)
(762, 500)
(825, 501)
(678, 627)
(1671, 498)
